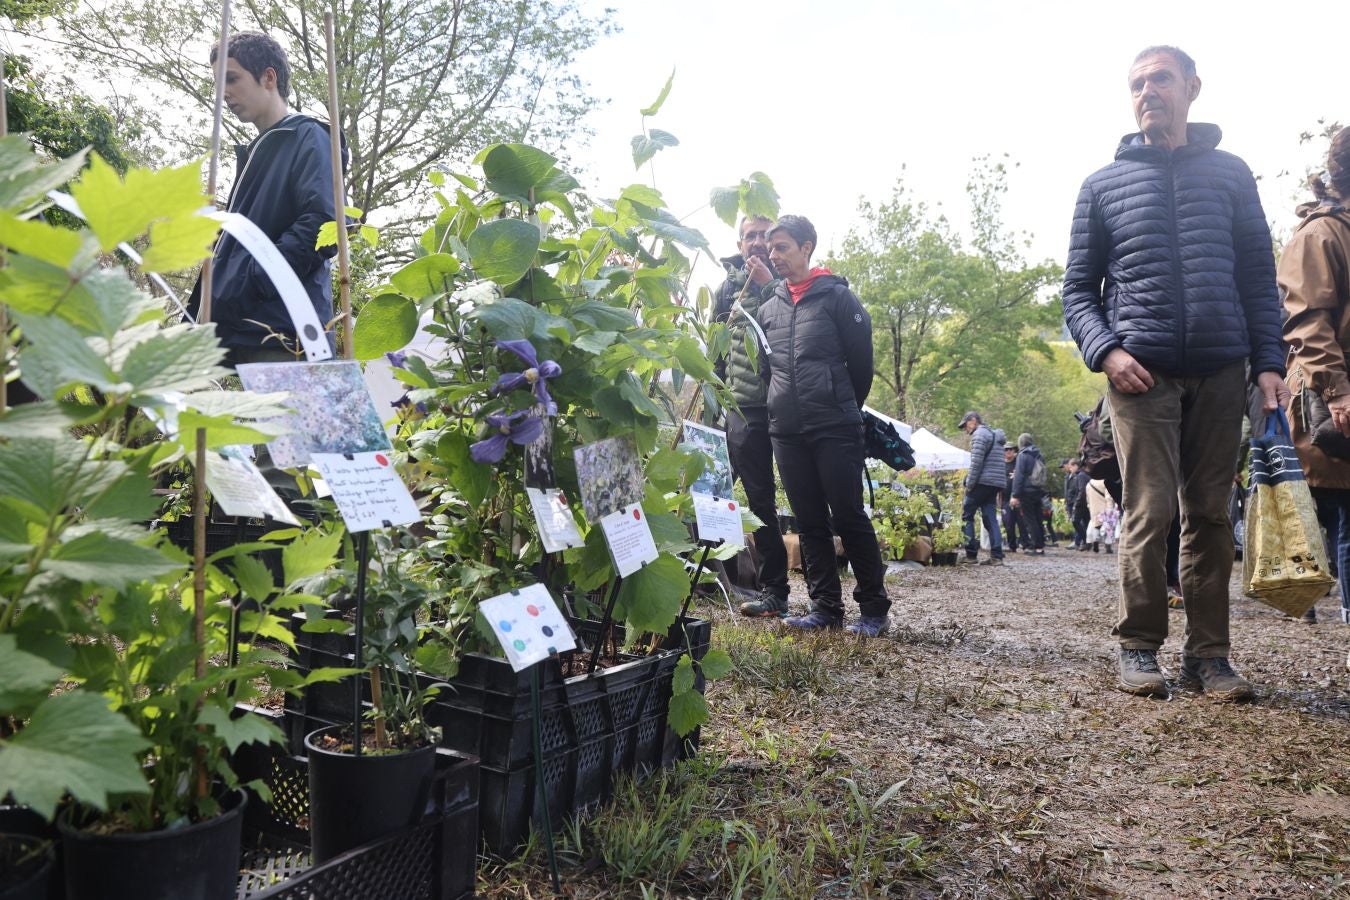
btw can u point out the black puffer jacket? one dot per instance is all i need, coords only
(1170, 257)
(820, 370)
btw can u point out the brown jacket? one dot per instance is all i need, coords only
(1314, 278)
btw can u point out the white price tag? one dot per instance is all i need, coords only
(368, 490)
(631, 545)
(718, 520)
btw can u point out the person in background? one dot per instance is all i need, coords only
(1012, 520)
(1075, 482)
(1048, 519)
(819, 372)
(1314, 280)
(1028, 490)
(984, 482)
(749, 282)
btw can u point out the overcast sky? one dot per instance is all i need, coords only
(832, 99)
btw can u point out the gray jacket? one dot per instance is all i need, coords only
(986, 460)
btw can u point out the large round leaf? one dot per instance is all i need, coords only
(503, 250)
(426, 276)
(512, 169)
(386, 324)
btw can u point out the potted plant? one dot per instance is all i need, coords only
(115, 694)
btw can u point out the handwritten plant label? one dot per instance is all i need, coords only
(369, 492)
(718, 520)
(241, 490)
(557, 528)
(529, 625)
(631, 545)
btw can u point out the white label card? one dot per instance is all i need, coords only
(718, 520)
(241, 490)
(557, 528)
(631, 545)
(529, 625)
(369, 492)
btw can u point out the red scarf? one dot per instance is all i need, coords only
(799, 289)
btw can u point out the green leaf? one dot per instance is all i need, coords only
(471, 480)
(45, 419)
(645, 146)
(683, 680)
(661, 98)
(309, 554)
(643, 194)
(669, 533)
(235, 732)
(35, 238)
(503, 250)
(687, 711)
(179, 243)
(595, 341)
(507, 318)
(182, 358)
(327, 236)
(370, 234)
(23, 182)
(426, 276)
(633, 392)
(716, 664)
(107, 560)
(253, 577)
(692, 359)
(652, 596)
(58, 358)
(73, 744)
(513, 169)
(758, 197)
(604, 318)
(119, 210)
(25, 679)
(726, 202)
(386, 324)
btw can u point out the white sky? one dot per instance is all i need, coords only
(831, 99)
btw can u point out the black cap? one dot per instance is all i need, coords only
(966, 418)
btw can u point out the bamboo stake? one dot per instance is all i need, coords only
(344, 288)
(199, 498)
(4, 311)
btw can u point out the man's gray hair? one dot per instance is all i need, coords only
(740, 226)
(1024, 441)
(1181, 56)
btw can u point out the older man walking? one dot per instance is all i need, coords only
(1170, 290)
(984, 482)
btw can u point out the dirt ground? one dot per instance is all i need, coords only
(1022, 771)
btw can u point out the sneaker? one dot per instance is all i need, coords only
(991, 561)
(870, 626)
(1139, 674)
(1345, 615)
(1216, 677)
(1039, 552)
(815, 621)
(766, 605)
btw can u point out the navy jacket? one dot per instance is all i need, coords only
(284, 185)
(820, 370)
(1170, 257)
(1027, 458)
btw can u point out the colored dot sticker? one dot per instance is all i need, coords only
(532, 609)
(732, 506)
(552, 650)
(381, 459)
(637, 514)
(518, 644)
(548, 632)
(504, 625)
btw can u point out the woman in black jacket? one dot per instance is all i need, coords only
(819, 370)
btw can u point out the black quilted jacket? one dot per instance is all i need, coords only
(820, 370)
(1170, 257)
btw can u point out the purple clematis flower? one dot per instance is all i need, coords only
(537, 374)
(517, 428)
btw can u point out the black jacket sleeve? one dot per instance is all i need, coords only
(1084, 274)
(311, 190)
(1255, 270)
(855, 335)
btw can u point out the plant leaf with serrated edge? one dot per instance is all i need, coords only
(688, 711)
(253, 577)
(726, 202)
(107, 560)
(235, 732)
(35, 238)
(25, 679)
(309, 554)
(661, 98)
(73, 743)
(758, 197)
(386, 323)
(716, 664)
(120, 209)
(651, 597)
(645, 146)
(179, 243)
(512, 169)
(683, 679)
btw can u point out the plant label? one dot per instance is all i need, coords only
(529, 625)
(718, 520)
(557, 528)
(331, 409)
(241, 490)
(716, 478)
(630, 541)
(369, 492)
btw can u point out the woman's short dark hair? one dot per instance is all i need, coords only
(1338, 170)
(257, 53)
(799, 228)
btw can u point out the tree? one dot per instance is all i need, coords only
(946, 320)
(421, 82)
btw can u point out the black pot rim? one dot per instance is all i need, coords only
(43, 870)
(402, 754)
(232, 804)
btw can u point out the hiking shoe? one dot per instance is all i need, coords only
(766, 605)
(1139, 674)
(991, 561)
(815, 621)
(1216, 677)
(870, 626)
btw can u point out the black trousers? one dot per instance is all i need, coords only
(1033, 531)
(751, 453)
(1012, 524)
(822, 475)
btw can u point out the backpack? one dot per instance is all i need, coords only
(1095, 451)
(1036, 478)
(881, 441)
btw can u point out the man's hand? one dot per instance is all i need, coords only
(1014, 503)
(1276, 393)
(758, 271)
(1126, 375)
(1340, 413)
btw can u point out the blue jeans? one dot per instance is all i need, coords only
(1333, 512)
(981, 497)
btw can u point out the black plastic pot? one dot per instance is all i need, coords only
(33, 881)
(199, 862)
(354, 800)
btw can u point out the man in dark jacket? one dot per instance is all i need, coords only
(1075, 482)
(985, 480)
(1028, 492)
(1012, 519)
(749, 282)
(819, 373)
(1170, 290)
(284, 185)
